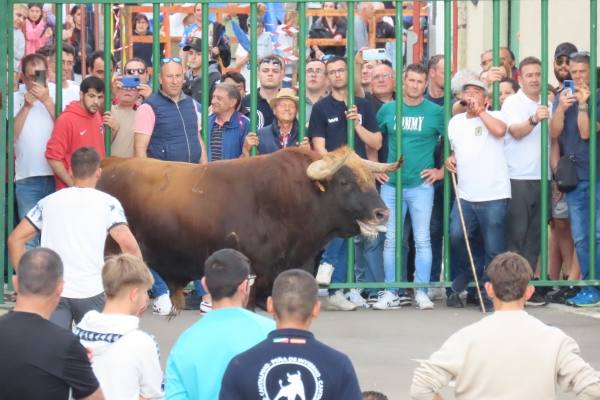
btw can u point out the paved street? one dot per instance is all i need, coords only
(382, 344)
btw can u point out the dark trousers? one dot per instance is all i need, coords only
(523, 219)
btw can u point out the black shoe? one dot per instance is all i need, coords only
(536, 300)
(560, 295)
(454, 301)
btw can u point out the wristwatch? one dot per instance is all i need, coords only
(532, 122)
(583, 107)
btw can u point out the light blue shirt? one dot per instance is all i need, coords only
(200, 356)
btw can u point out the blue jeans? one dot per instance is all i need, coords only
(160, 287)
(28, 192)
(418, 201)
(489, 218)
(369, 259)
(335, 254)
(578, 201)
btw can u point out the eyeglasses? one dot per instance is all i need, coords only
(382, 77)
(134, 71)
(333, 72)
(579, 54)
(251, 279)
(167, 60)
(561, 60)
(316, 71)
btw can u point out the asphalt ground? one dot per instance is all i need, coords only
(383, 344)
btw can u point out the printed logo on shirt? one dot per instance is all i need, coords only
(412, 123)
(289, 378)
(83, 132)
(332, 120)
(478, 131)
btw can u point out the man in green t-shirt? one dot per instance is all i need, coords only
(422, 125)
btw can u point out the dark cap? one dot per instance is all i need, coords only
(196, 44)
(564, 49)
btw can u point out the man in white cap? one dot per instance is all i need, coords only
(477, 140)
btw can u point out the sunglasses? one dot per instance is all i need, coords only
(561, 60)
(579, 54)
(251, 279)
(273, 61)
(167, 60)
(134, 71)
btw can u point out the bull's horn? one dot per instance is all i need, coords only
(326, 167)
(383, 167)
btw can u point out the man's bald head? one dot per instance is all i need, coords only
(171, 78)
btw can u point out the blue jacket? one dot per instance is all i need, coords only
(269, 138)
(235, 132)
(175, 134)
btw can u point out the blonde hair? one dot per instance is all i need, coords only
(21, 7)
(123, 271)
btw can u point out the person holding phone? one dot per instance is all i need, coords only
(570, 124)
(34, 120)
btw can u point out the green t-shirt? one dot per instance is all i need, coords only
(421, 127)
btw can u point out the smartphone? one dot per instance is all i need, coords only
(570, 85)
(40, 77)
(374, 54)
(130, 82)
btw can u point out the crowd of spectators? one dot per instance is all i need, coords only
(495, 154)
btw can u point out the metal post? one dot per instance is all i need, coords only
(205, 58)
(544, 162)
(593, 134)
(448, 5)
(58, 64)
(107, 71)
(399, 102)
(253, 70)
(10, 148)
(350, 124)
(4, 99)
(302, 71)
(155, 45)
(83, 40)
(496, 51)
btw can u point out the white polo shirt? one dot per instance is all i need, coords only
(524, 156)
(481, 166)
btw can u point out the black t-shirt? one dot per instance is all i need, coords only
(41, 360)
(290, 364)
(264, 113)
(328, 120)
(376, 104)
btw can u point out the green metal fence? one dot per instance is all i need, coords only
(6, 130)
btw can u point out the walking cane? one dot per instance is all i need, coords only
(464, 229)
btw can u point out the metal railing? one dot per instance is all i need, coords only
(7, 130)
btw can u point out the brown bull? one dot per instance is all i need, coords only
(279, 209)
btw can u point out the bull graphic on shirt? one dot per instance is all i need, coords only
(294, 388)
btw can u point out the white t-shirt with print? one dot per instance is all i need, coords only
(74, 222)
(481, 165)
(30, 146)
(524, 156)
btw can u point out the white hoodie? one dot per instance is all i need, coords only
(124, 359)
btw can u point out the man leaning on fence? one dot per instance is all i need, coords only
(571, 125)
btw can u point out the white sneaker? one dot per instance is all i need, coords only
(423, 301)
(386, 301)
(354, 297)
(205, 307)
(436, 293)
(324, 274)
(162, 305)
(337, 302)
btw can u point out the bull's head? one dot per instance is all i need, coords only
(348, 183)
